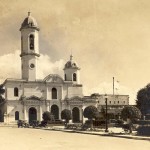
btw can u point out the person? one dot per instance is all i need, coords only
(129, 122)
(19, 123)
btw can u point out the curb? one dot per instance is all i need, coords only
(106, 135)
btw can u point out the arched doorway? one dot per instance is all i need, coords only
(17, 115)
(32, 114)
(75, 115)
(55, 111)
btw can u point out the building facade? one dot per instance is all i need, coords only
(115, 104)
(28, 98)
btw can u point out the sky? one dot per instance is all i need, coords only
(108, 38)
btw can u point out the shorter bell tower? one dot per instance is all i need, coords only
(29, 48)
(72, 71)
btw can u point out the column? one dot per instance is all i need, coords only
(5, 118)
(81, 115)
(47, 106)
(40, 117)
(25, 113)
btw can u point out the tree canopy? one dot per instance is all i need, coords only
(47, 116)
(2, 91)
(66, 114)
(130, 112)
(143, 99)
(90, 112)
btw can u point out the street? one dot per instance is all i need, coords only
(36, 139)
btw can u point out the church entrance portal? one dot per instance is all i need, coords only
(55, 111)
(32, 114)
(75, 115)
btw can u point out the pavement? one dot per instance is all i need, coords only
(113, 132)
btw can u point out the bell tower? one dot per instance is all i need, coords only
(72, 71)
(29, 48)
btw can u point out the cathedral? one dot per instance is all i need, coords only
(28, 98)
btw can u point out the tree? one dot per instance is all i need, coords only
(143, 100)
(91, 112)
(47, 116)
(2, 91)
(2, 101)
(66, 114)
(130, 114)
(99, 116)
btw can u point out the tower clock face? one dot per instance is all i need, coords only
(32, 66)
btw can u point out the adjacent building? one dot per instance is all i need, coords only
(115, 104)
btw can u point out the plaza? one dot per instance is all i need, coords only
(29, 139)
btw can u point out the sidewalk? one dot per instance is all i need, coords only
(113, 132)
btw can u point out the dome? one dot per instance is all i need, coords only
(71, 64)
(29, 22)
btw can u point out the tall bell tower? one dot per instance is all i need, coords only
(29, 48)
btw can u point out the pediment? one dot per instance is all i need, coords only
(76, 99)
(53, 78)
(33, 97)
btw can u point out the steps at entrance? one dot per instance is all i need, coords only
(12, 124)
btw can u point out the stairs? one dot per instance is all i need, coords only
(12, 124)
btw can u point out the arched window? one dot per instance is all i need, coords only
(31, 41)
(17, 115)
(54, 93)
(65, 77)
(16, 92)
(74, 77)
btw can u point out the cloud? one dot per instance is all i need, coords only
(46, 66)
(10, 66)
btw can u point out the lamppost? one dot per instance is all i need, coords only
(106, 117)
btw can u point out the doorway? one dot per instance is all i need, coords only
(32, 114)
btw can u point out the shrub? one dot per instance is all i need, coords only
(66, 114)
(47, 116)
(143, 130)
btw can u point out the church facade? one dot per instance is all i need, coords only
(28, 98)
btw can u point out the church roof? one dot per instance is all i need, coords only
(71, 64)
(29, 22)
(53, 78)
